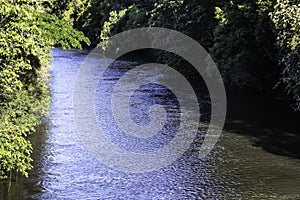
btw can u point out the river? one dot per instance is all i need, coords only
(248, 161)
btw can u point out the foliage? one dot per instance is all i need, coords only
(193, 18)
(27, 34)
(89, 16)
(16, 124)
(241, 35)
(286, 18)
(244, 43)
(137, 17)
(114, 18)
(74, 10)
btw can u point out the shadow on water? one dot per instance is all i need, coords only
(270, 123)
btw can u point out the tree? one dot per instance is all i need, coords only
(244, 44)
(286, 18)
(27, 34)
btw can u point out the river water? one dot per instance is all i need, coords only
(239, 167)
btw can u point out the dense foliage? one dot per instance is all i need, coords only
(27, 34)
(286, 17)
(254, 43)
(244, 43)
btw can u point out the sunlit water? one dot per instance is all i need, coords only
(64, 169)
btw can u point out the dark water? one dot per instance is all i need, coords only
(239, 167)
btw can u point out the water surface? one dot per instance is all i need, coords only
(64, 169)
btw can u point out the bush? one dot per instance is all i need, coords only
(286, 18)
(27, 34)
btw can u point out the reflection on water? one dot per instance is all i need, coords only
(65, 170)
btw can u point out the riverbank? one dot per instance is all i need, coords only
(27, 34)
(271, 124)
